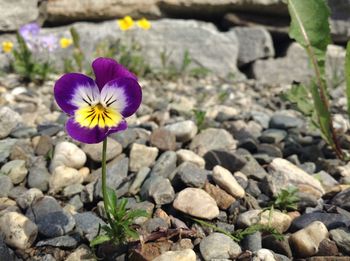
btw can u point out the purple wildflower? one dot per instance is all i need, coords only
(98, 107)
(48, 42)
(29, 31)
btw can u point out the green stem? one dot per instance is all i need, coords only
(104, 181)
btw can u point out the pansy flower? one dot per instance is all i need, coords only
(126, 23)
(144, 24)
(7, 46)
(97, 108)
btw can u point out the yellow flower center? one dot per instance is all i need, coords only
(97, 115)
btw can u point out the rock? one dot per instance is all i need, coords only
(28, 197)
(339, 23)
(76, 203)
(5, 185)
(94, 151)
(264, 255)
(254, 43)
(181, 255)
(69, 155)
(191, 175)
(5, 148)
(229, 160)
(307, 240)
(9, 119)
(23, 150)
(72, 190)
(219, 246)
(327, 247)
(17, 230)
(341, 199)
(17, 14)
(16, 170)
(139, 179)
(212, 139)
(252, 242)
(159, 189)
(163, 139)
(341, 236)
(273, 136)
(282, 121)
(227, 181)
(142, 156)
(184, 130)
(51, 219)
(63, 242)
(44, 146)
(278, 220)
(252, 168)
(197, 203)
(81, 253)
(278, 246)
(165, 165)
(222, 199)
(285, 174)
(293, 67)
(38, 177)
(87, 224)
(155, 224)
(125, 138)
(117, 171)
(327, 181)
(64, 176)
(330, 220)
(182, 244)
(64, 12)
(5, 253)
(189, 156)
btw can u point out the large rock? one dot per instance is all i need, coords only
(284, 174)
(17, 13)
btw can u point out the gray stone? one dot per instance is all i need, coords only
(5, 185)
(5, 148)
(38, 177)
(283, 121)
(254, 43)
(229, 160)
(278, 246)
(5, 253)
(341, 236)
(87, 224)
(252, 168)
(189, 156)
(62, 242)
(142, 156)
(117, 171)
(94, 151)
(219, 246)
(212, 139)
(191, 175)
(16, 170)
(183, 130)
(163, 139)
(342, 199)
(155, 224)
(252, 242)
(159, 189)
(76, 202)
(331, 220)
(139, 179)
(26, 198)
(9, 119)
(73, 189)
(165, 164)
(273, 136)
(23, 132)
(16, 14)
(339, 22)
(125, 138)
(44, 146)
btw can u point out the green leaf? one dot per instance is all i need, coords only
(111, 201)
(347, 74)
(75, 37)
(131, 214)
(99, 240)
(300, 96)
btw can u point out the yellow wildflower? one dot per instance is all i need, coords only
(144, 24)
(126, 23)
(65, 42)
(7, 46)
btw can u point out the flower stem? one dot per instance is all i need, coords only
(104, 182)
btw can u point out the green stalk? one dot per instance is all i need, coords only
(104, 181)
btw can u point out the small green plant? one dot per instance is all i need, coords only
(77, 63)
(119, 227)
(26, 66)
(287, 199)
(310, 28)
(199, 117)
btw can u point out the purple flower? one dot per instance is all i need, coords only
(98, 108)
(29, 31)
(48, 42)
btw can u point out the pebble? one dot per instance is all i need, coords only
(278, 246)
(264, 255)
(125, 138)
(5, 185)
(273, 136)
(94, 151)
(87, 224)
(191, 175)
(278, 220)
(330, 220)
(17, 230)
(165, 165)
(212, 139)
(28, 197)
(306, 241)
(142, 156)
(82, 253)
(327, 247)
(16, 170)
(219, 246)
(189, 156)
(282, 121)
(44, 146)
(62, 242)
(182, 244)
(341, 236)
(140, 177)
(5, 148)
(251, 168)
(181, 255)
(184, 131)
(229, 160)
(5, 252)
(155, 224)
(342, 199)
(64, 176)
(285, 174)
(196, 202)
(159, 189)
(9, 120)
(227, 181)
(222, 198)
(73, 189)
(69, 155)
(163, 139)
(38, 177)
(252, 242)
